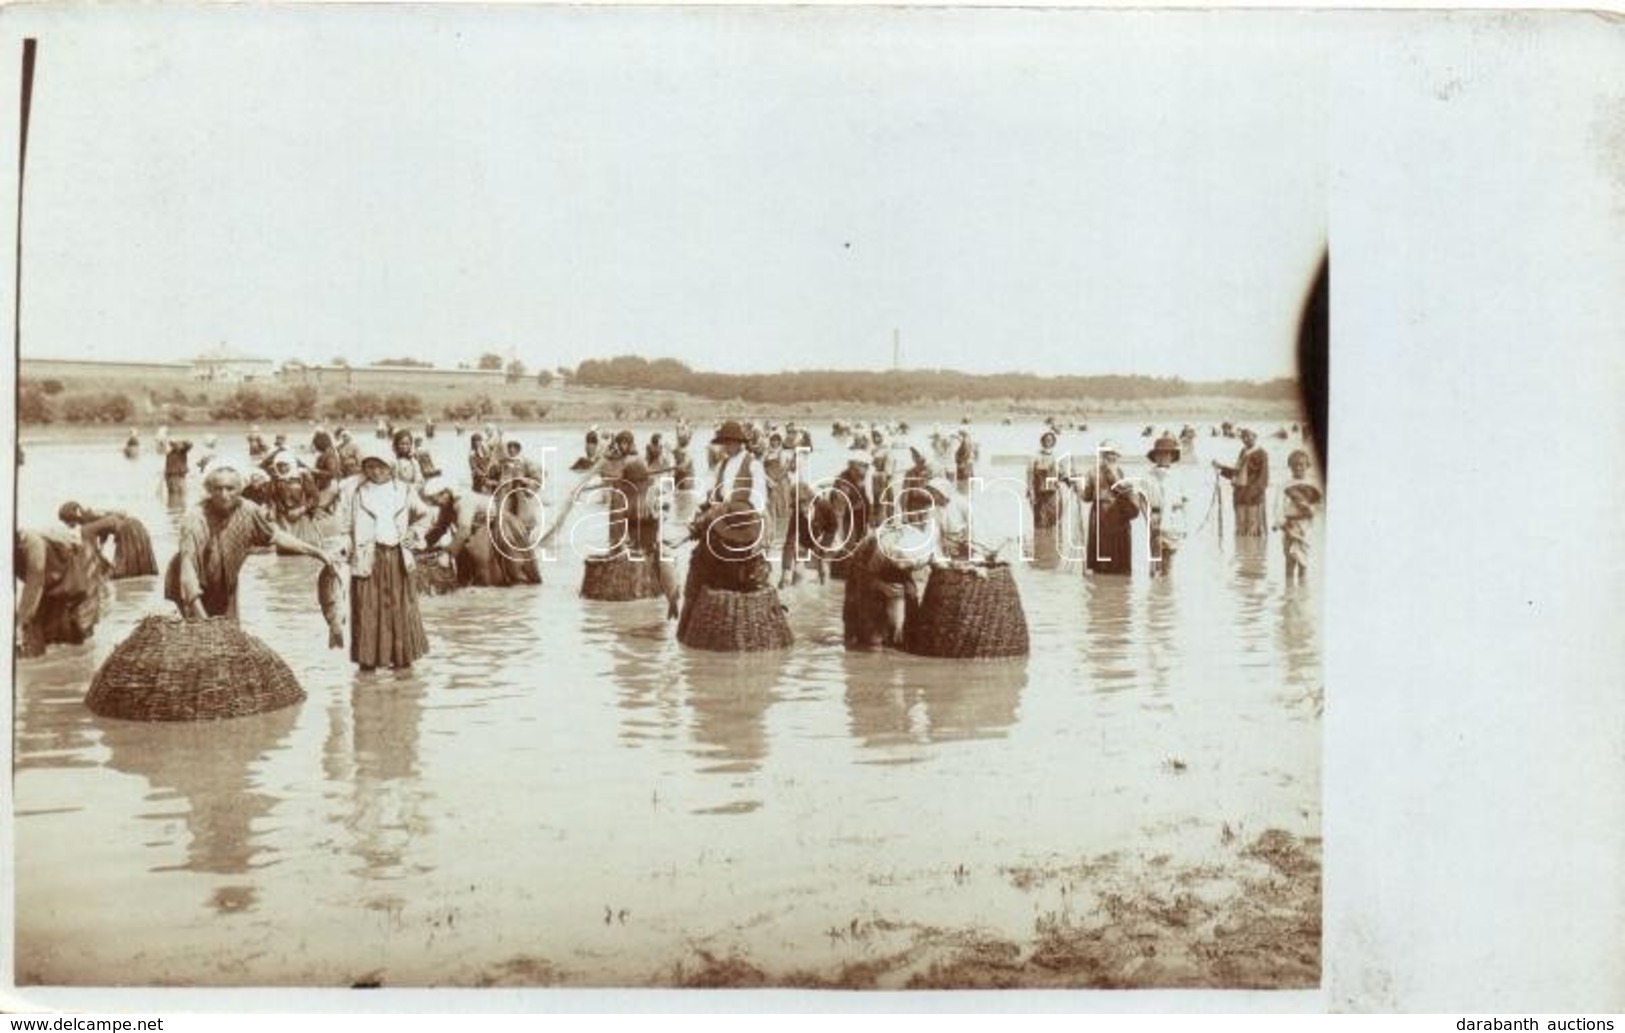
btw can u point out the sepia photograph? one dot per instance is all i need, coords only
(589, 498)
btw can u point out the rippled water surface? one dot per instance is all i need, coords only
(560, 792)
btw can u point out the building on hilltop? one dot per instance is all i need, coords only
(225, 365)
(375, 377)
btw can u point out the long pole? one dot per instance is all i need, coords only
(22, 165)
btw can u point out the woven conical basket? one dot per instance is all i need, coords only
(171, 669)
(735, 622)
(429, 577)
(619, 578)
(968, 617)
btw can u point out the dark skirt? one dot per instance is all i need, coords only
(872, 584)
(385, 626)
(64, 617)
(1046, 509)
(1110, 539)
(1250, 522)
(132, 551)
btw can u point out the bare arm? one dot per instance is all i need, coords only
(189, 548)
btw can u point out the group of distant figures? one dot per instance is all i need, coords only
(1163, 497)
(386, 504)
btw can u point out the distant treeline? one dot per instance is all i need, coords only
(631, 371)
(47, 402)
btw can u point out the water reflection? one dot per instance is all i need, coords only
(1297, 636)
(1251, 589)
(387, 813)
(53, 727)
(893, 699)
(644, 668)
(728, 699)
(1163, 653)
(1109, 632)
(209, 765)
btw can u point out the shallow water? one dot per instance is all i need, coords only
(560, 792)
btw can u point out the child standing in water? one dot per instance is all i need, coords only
(1299, 500)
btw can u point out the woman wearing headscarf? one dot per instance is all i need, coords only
(383, 519)
(62, 587)
(634, 519)
(329, 467)
(851, 498)
(294, 498)
(882, 593)
(132, 547)
(484, 555)
(950, 520)
(349, 453)
(216, 538)
(405, 458)
(479, 463)
(175, 469)
(914, 500)
(884, 476)
(965, 454)
(777, 468)
(206, 453)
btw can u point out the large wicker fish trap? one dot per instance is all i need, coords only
(171, 669)
(618, 577)
(430, 576)
(969, 614)
(735, 622)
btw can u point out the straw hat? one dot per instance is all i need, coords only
(730, 431)
(1108, 447)
(1164, 445)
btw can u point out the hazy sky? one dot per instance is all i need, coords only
(743, 189)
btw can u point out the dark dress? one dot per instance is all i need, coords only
(1045, 493)
(1111, 530)
(1250, 478)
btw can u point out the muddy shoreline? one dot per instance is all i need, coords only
(1253, 923)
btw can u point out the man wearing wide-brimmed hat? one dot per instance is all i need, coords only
(731, 531)
(1250, 477)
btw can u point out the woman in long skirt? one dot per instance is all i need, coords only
(132, 546)
(383, 519)
(1111, 515)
